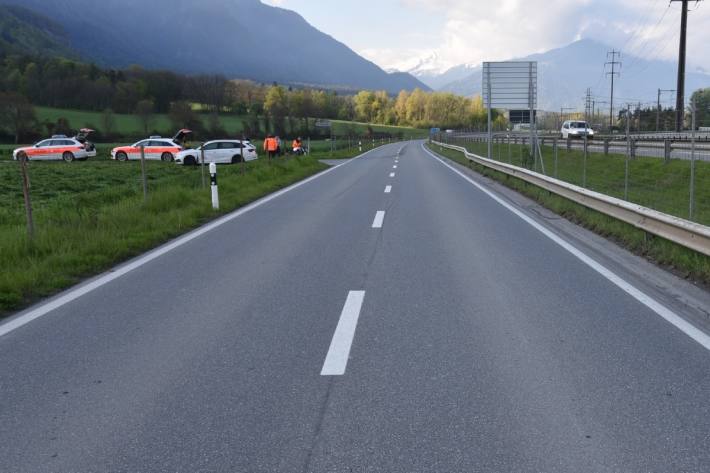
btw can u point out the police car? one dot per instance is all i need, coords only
(58, 147)
(218, 152)
(155, 147)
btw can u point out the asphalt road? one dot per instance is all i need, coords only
(314, 334)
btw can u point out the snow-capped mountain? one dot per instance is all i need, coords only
(566, 72)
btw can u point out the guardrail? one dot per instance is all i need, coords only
(683, 232)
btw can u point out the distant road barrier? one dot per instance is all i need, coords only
(683, 232)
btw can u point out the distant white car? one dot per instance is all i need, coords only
(58, 147)
(218, 152)
(576, 129)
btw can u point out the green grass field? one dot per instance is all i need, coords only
(677, 258)
(129, 125)
(91, 215)
(653, 183)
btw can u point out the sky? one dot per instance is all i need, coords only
(399, 34)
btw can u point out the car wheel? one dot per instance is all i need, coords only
(167, 158)
(68, 157)
(236, 159)
(121, 156)
(189, 161)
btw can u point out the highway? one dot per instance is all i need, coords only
(393, 314)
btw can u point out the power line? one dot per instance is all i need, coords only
(638, 52)
(630, 39)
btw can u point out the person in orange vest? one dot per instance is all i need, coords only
(297, 146)
(270, 146)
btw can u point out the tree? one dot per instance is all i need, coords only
(144, 112)
(276, 107)
(108, 122)
(17, 115)
(364, 106)
(702, 106)
(182, 116)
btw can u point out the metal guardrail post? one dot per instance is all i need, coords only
(633, 145)
(510, 156)
(569, 143)
(692, 161)
(606, 146)
(667, 150)
(554, 151)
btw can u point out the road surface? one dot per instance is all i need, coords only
(388, 315)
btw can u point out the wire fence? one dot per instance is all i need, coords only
(678, 184)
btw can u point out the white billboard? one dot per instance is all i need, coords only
(510, 85)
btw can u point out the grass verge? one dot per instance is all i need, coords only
(683, 261)
(90, 216)
(653, 182)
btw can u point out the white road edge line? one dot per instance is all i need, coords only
(391, 174)
(388, 189)
(379, 219)
(670, 316)
(337, 358)
(23, 318)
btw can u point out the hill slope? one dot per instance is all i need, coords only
(23, 31)
(237, 38)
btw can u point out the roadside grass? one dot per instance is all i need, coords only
(91, 215)
(687, 263)
(653, 183)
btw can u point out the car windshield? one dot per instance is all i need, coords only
(579, 125)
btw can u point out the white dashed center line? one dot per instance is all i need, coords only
(391, 174)
(379, 219)
(388, 189)
(337, 358)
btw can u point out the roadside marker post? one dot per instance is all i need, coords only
(143, 177)
(213, 186)
(360, 145)
(202, 163)
(241, 152)
(26, 193)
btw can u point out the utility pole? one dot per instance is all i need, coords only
(614, 55)
(588, 102)
(658, 107)
(680, 88)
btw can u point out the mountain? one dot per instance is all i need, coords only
(236, 38)
(23, 31)
(565, 73)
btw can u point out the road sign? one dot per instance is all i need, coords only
(510, 84)
(434, 131)
(521, 116)
(323, 123)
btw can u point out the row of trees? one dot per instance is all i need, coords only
(64, 83)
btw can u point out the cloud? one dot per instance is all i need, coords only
(479, 30)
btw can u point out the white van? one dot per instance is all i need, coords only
(576, 129)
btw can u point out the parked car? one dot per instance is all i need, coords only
(58, 147)
(219, 152)
(576, 129)
(155, 147)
